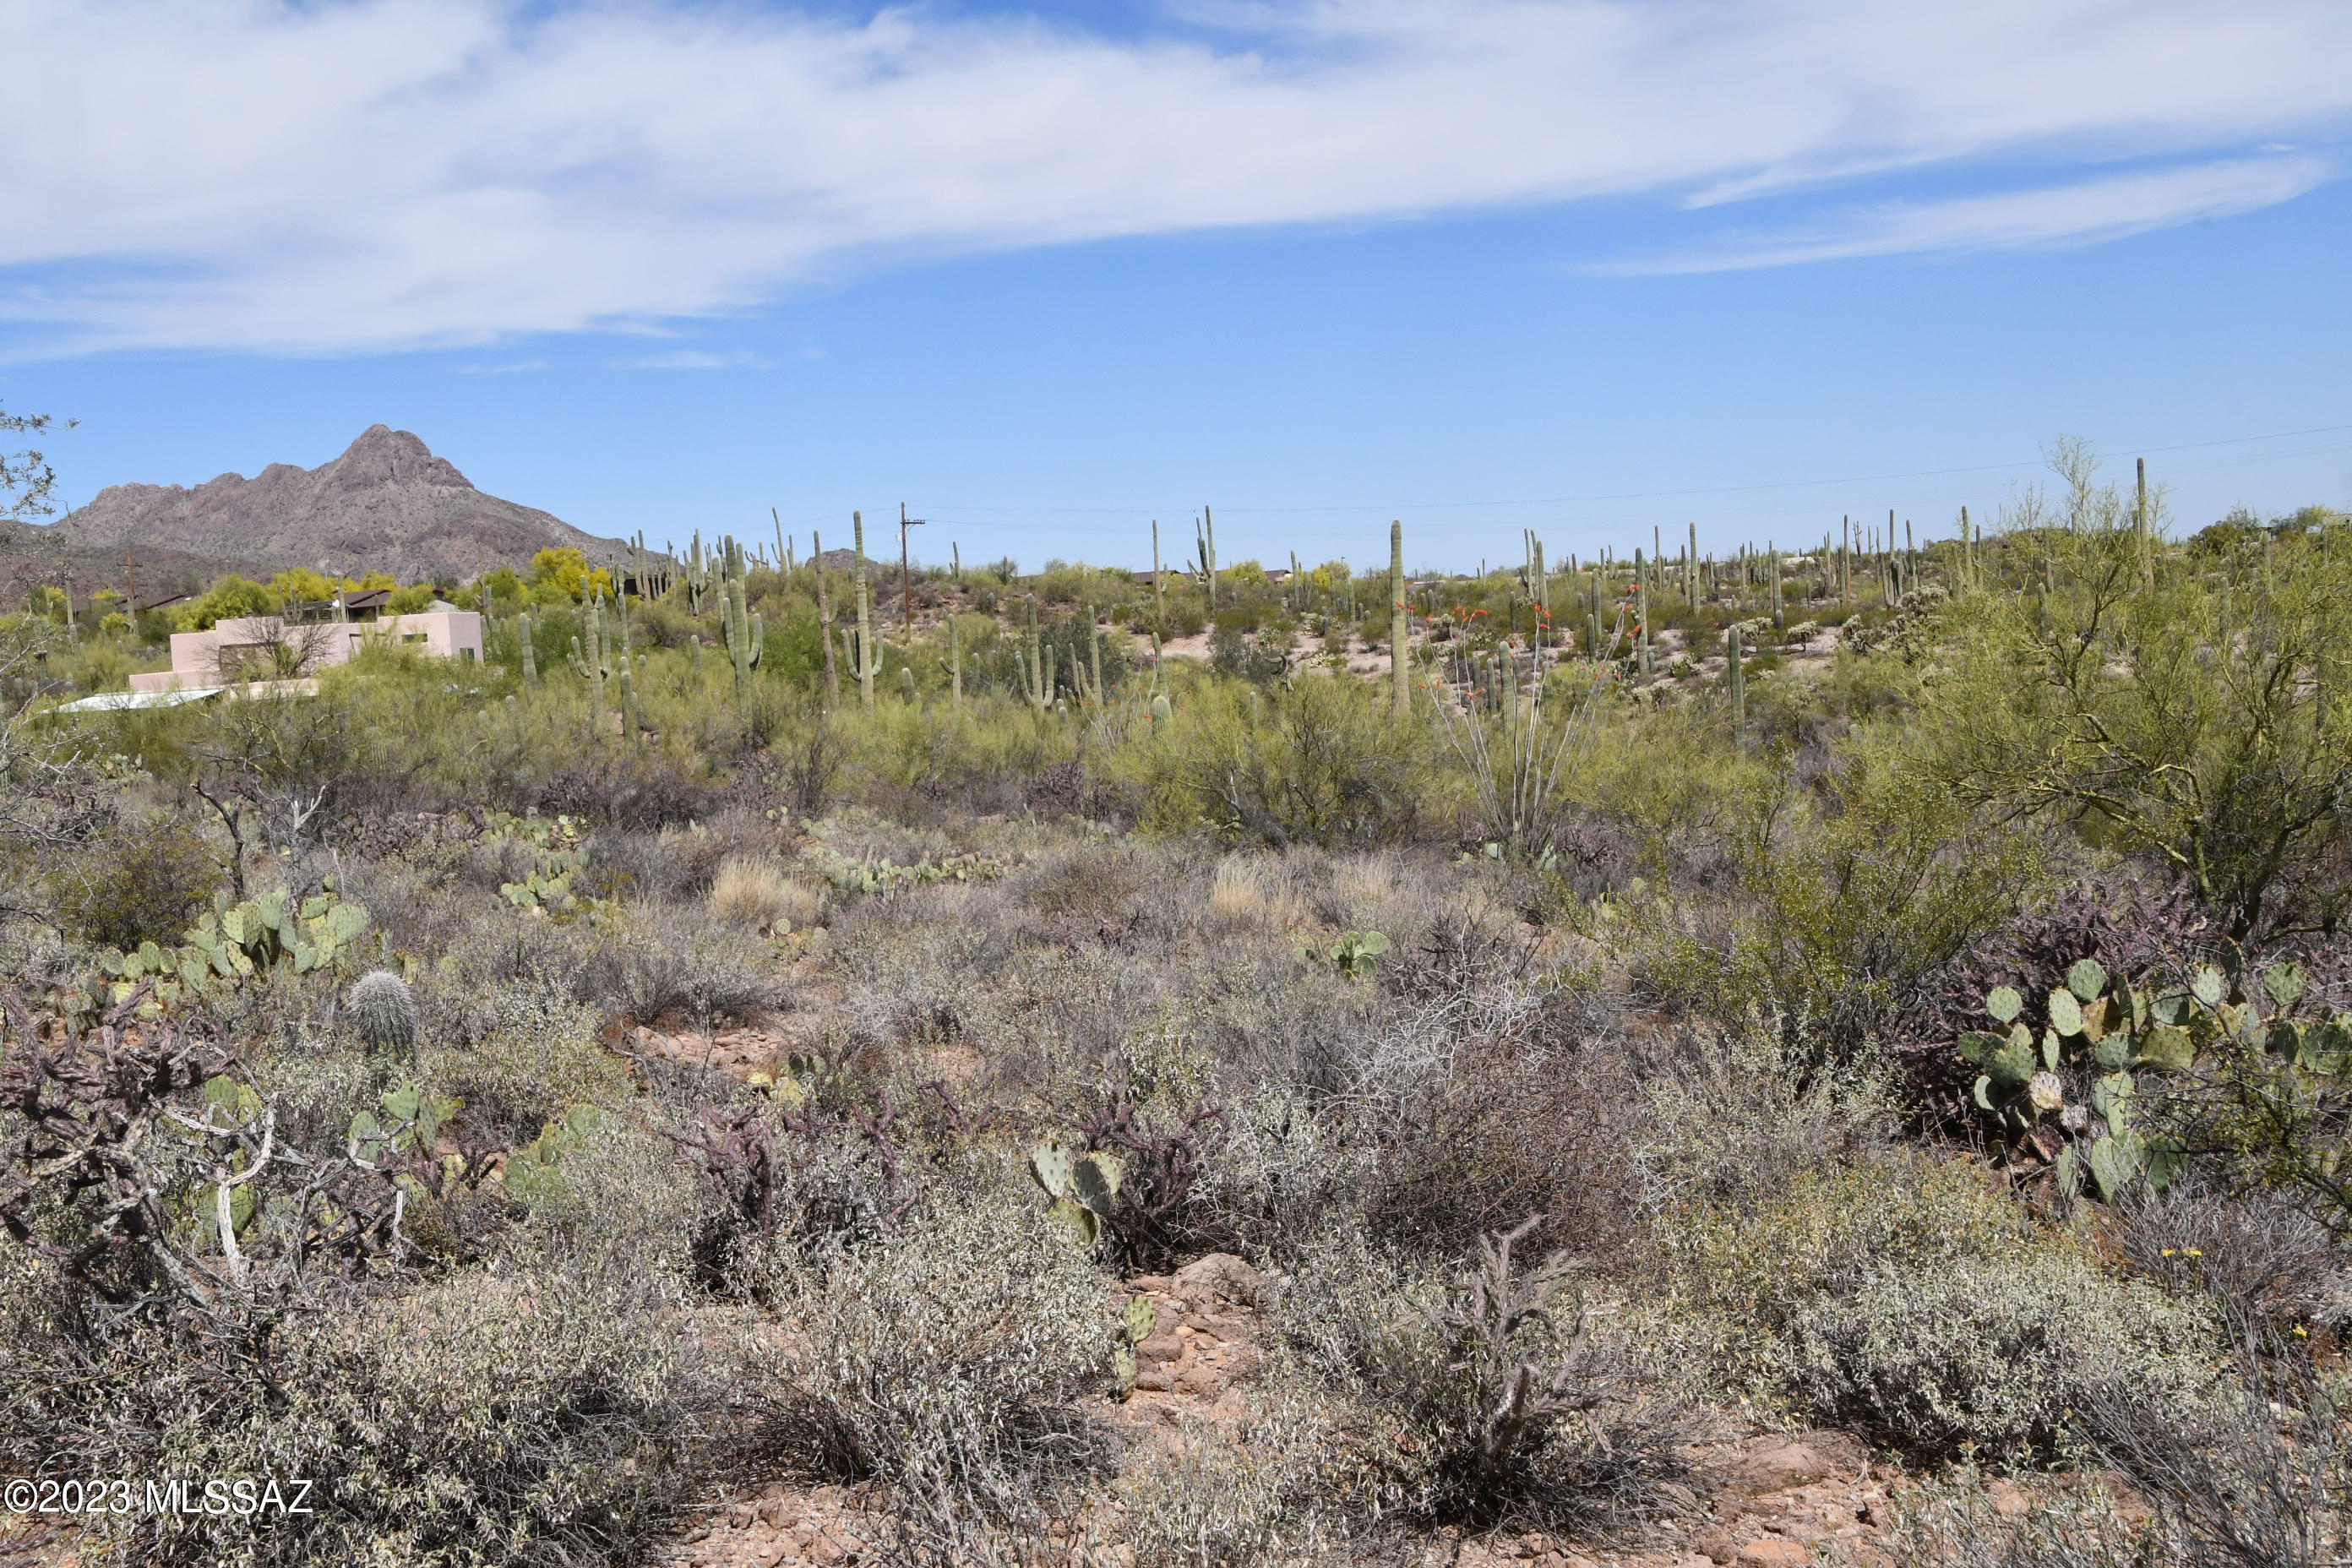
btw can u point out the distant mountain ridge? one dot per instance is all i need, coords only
(387, 504)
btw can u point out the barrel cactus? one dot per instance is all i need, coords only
(383, 1012)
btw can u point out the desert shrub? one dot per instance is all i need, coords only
(958, 1343)
(1733, 1122)
(541, 1417)
(537, 1056)
(1507, 1134)
(1852, 899)
(1253, 1495)
(143, 880)
(1319, 761)
(662, 960)
(2186, 718)
(1286, 1169)
(2259, 1476)
(1904, 1297)
(755, 891)
(1482, 1398)
(1952, 1521)
(2259, 1254)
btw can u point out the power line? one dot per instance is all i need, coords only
(1651, 495)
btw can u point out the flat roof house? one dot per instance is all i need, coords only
(275, 647)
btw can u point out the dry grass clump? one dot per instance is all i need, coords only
(757, 891)
(1258, 892)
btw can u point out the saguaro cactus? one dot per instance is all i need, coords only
(737, 624)
(529, 654)
(868, 665)
(633, 722)
(1736, 673)
(1400, 625)
(588, 661)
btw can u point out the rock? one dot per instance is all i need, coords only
(1200, 1381)
(1219, 1274)
(1154, 1380)
(1772, 1552)
(1717, 1544)
(1161, 1348)
(824, 1550)
(1777, 1463)
(2008, 1498)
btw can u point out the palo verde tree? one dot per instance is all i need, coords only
(2191, 714)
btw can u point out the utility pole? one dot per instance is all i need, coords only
(906, 569)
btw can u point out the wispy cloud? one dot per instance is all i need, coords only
(699, 359)
(335, 175)
(2086, 213)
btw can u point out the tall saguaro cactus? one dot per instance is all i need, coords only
(588, 662)
(1399, 623)
(529, 653)
(1736, 672)
(824, 616)
(742, 629)
(868, 664)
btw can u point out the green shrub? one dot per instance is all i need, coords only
(1320, 761)
(956, 1345)
(144, 880)
(1904, 1297)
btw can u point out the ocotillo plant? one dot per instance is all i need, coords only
(868, 664)
(1400, 625)
(529, 654)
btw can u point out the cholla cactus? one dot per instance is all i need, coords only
(383, 1012)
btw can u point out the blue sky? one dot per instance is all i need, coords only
(1045, 274)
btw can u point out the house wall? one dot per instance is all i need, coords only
(198, 658)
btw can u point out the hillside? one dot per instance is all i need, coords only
(387, 504)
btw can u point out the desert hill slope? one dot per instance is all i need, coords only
(387, 504)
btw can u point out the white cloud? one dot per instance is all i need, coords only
(2086, 213)
(699, 359)
(343, 175)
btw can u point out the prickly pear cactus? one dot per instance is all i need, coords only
(233, 944)
(1084, 1187)
(2057, 1080)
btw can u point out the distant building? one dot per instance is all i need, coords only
(274, 647)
